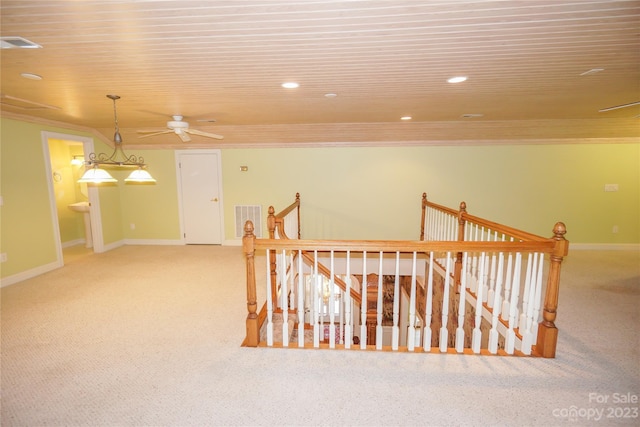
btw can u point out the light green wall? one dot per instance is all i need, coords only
(27, 233)
(355, 193)
(152, 208)
(352, 192)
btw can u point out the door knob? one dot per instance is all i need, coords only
(214, 200)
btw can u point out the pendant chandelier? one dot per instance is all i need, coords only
(95, 174)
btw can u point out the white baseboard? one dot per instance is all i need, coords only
(73, 243)
(110, 246)
(157, 242)
(28, 274)
(604, 246)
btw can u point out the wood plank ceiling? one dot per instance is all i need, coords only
(537, 70)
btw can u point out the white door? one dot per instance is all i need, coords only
(199, 173)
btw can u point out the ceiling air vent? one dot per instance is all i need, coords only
(17, 43)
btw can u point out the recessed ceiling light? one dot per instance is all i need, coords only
(458, 79)
(330, 95)
(290, 85)
(31, 76)
(406, 118)
(471, 115)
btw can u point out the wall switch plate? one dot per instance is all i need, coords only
(132, 226)
(615, 229)
(611, 187)
(3, 257)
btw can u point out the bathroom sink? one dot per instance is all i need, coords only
(82, 207)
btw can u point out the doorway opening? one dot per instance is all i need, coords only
(72, 203)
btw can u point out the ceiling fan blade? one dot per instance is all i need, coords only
(153, 133)
(615, 107)
(183, 136)
(206, 134)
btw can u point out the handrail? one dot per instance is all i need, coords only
(405, 246)
(276, 221)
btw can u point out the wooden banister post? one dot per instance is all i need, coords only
(298, 202)
(271, 222)
(461, 223)
(271, 226)
(248, 246)
(547, 330)
(424, 215)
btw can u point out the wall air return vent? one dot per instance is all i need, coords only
(246, 213)
(17, 43)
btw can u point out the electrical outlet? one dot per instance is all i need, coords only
(3, 257)
(132, 226)
(610, 187)
(615, 229)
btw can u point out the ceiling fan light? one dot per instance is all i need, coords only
(140, 175)
(96, 175)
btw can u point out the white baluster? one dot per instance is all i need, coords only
(269, 303)
(284, 296)
(395, 336)
(522, 323)
(476, 336)
(444, 333)
(513, 305)
(317, 286)
(493, 333)
(379, 307)
(461, 305)
(363, 303)
(507, 284)
(428, 310)
(348, 334)
(492, 277)
(538, 297)
(527, 333)
(411, 335)
(300, 301)
(332, 327)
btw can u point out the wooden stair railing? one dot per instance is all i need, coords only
(453, 236)
(547, 330)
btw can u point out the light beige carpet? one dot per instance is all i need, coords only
(150, 336)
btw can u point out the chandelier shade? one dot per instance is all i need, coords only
(140, 175)
(96, 176)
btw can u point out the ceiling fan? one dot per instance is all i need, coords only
(180, 128)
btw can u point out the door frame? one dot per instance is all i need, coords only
(92, 191)
(178, 157)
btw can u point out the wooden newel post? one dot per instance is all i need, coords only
(457, 272)
(248, 247)
(271, 226)
(424, 215)
(547, 331)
